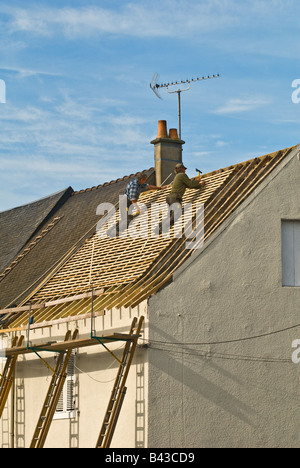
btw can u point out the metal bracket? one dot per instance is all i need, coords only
(43, 360)
(107, 349)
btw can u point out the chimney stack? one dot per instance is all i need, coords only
(167, 153)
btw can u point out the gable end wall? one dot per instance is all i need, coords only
(243, 393)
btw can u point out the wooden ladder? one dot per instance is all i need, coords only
(53, 394)
(119, 389)
(7, 377)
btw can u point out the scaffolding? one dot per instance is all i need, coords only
(59, 375)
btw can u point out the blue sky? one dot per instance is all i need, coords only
(79, 110)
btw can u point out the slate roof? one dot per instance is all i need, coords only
(19, 225)
(125, 271)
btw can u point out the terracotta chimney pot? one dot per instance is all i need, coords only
(162, 129)
(173, 133)
(167, 153)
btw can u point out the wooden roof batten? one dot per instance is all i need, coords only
(149, 285)
(132, 247)
(160, 258)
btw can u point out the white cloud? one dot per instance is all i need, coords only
(155, 19)
(25, 72)
(238, 105)
(72, 129)
(23, 115)
(168, 18)
(221, 143)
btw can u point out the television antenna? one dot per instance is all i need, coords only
(155, 87)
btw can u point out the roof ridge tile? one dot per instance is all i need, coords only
(115, 181)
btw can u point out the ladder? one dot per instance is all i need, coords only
(20, 414)
(53, 394)
(5, 428)
(119, 389)
(7, 377)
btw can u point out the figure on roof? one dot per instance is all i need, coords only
(179, 185)
(132, 193)
(134, 189)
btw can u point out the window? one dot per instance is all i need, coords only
(290, 253)
(66, 404)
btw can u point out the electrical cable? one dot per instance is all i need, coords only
(100, 381)
(227, 356)
(92, 378)
(208, 343)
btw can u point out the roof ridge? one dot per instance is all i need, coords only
(33, 202)
(105, 184)
(248, 161)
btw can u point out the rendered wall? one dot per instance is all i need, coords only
(243, 393)
(96, 371)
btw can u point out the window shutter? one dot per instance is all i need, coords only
(70, 384)
(291, 253)
(66, 404)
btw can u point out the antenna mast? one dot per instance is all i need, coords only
(154, 86)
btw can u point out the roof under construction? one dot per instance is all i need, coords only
(124, 271)
(37, 236)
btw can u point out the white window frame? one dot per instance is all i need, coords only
(66, 404)
(290, 235)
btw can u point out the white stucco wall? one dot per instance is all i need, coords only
(96, 371)
(243, 393)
